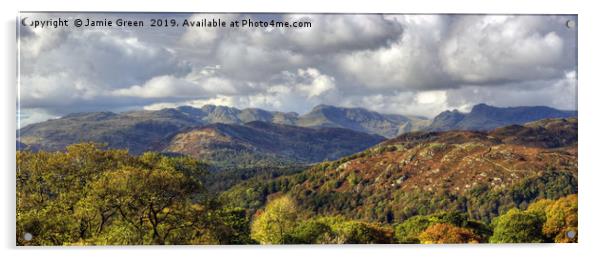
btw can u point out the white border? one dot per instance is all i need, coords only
(589, 133)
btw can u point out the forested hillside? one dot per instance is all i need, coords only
(513, 184)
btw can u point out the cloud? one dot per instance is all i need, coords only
(340, 33)
(409, 63)
(560, 93)
(197, 84)
(65, 70)
(502, 48)
(288, 90)
(311, 82)
(412, 64)
(161, 86)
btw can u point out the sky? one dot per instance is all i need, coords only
(397, 64)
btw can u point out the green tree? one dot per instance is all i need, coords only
(231, 226)
(310, 232)
(87, 195)
(150, 201)
(517, 226)
(49, 186)
(360, 232)
(539, 208)
(408, 231)
(278, 220)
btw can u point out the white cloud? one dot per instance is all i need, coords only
(413, 64)
(289, 91)
(340, 33)
(314, 83)
(161, 86)
(502, 48)
(65, 70)
(429, 97)
(30, 116)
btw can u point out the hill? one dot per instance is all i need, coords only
(481, 173)
(261, 143)
(137, 131)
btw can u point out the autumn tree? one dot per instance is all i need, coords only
(408, 231)
(443, 233)
(561, 220)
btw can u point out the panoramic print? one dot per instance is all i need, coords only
(237, 129)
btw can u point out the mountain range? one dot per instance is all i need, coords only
(483, 117)
(220, 132)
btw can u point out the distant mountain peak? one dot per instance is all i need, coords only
(321, 106)
(187, 108)
(208, 106)
(481, 107)
(486, 117)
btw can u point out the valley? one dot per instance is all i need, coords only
(220, 175)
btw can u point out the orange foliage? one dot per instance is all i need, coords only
(442, 233)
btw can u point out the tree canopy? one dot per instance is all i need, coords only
(88, 195)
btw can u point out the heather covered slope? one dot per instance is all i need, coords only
(481, 173)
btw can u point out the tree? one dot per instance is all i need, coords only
(231, 226)
(276, 222)
(539, 208)
(408, 231)
(443, 233)
(517, 226)
(49, 186)
(561, 218)
(310, 232)
(152, 202)
(87, 195)
(360, 232)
